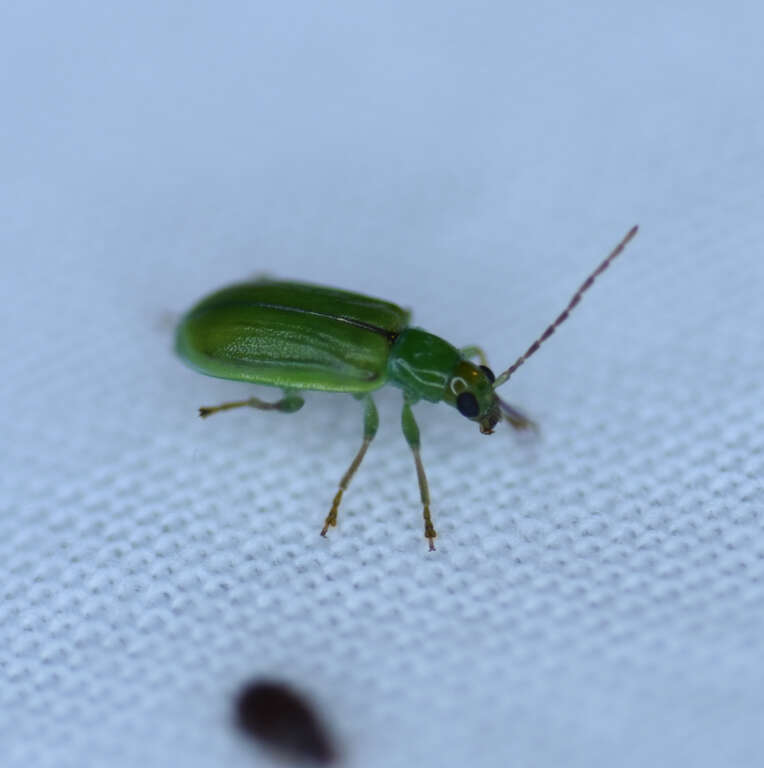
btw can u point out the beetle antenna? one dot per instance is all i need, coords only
(563, 316)
(516, 418)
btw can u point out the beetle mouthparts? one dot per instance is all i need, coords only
(491, 418)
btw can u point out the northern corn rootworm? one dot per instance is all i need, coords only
(298, 336)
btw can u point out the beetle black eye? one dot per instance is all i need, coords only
(467, 405)
(488, 373)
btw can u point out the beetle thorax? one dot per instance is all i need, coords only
(422, 364)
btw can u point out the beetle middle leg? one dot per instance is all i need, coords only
(288, 404)
(411, 433)
(370, 424)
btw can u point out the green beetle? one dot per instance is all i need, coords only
(299, 336)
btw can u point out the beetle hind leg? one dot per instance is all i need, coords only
(288, 404)
(370, 424)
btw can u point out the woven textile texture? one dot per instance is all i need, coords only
(597, 594)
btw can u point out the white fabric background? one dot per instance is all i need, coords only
(597, 597)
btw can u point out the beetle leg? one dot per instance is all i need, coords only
(288, 404)
(370, 424)
(474, 351)
(411, 433)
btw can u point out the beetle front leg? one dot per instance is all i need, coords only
(370, 424)
(288, 404)
(411, 433)
(474, 351)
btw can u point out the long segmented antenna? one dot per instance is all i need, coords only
(563, 316)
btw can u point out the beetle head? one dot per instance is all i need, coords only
(470, 391)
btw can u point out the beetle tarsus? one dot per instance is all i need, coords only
(331, 518)
(429, 528)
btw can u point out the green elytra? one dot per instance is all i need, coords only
(299, 336)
